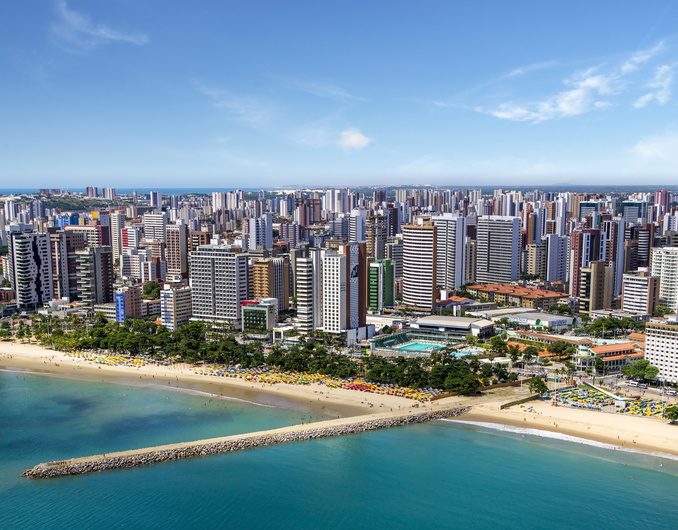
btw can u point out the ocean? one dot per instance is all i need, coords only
(440, 474)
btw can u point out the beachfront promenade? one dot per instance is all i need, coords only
(237, 442)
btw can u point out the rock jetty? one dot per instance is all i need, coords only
(239, 442)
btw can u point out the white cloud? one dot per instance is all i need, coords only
(328, 91)
(663, 148)
(353, 140)
(586, 91)
(639, 58)
(78, 32)
(660, 85)
(529, 68)
(582, 97)
(247, 110)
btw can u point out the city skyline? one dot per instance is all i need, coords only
(124, 93)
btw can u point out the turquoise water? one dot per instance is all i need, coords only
(419, 347)
(434, 475)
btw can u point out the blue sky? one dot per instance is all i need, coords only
(249, 93)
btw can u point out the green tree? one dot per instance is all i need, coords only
(151, 290)
(671, 413)
(641, 369)
(498, 344)
(537, 386)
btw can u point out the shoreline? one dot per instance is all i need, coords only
(618, 431)
(315, 398)
(638, 434)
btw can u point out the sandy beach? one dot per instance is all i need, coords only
(333, 402)
(622, 430)
(625, 431)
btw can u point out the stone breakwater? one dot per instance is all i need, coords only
(239, 442)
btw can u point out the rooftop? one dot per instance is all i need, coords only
(515, 290)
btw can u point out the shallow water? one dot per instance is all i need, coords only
(423, 476)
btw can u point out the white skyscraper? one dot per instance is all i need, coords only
(665, 265)
(334, 292)
(155, 226)
(218, 281)
(117, 224)
(450, 231)
(498, 252)
(419, 266)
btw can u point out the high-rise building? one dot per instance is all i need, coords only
(94, 267)
(218, 280)
(394, 252)
(356, 225)
(261, 233)
(91, 192)
(595, 287)
(584, 248)
(498, 252)
(419, 265)
(117, 224)
(109, 194)
(177, 251)
(450, 262)
(155, 200)
(356, 283)
(556, 258)
(155, 226)
(176, 307)
(661, 348)
(536, 255)
(334, 292)
(665, 266)
(377, 231)
(640, 292)
(270, 279)
(308, 288)
(30, 265)
(381, 285)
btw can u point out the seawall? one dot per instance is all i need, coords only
(238, 442)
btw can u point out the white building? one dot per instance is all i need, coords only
(640, 292)
(419, 266)
(665, 265)
(218, 281)
(117, 224)
(308, 279)
(498, 249)
(334, 292)
(176, 307)
(155, 226)
(661, 348)
(450, 262)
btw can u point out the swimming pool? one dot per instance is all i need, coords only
(415, 346)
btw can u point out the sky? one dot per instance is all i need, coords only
(161, 93)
